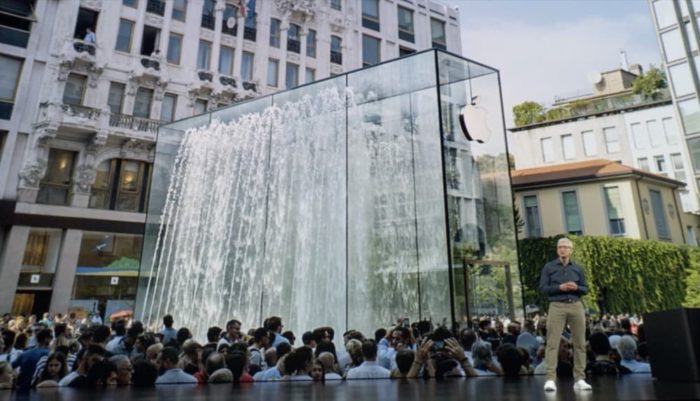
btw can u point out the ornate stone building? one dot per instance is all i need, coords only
(84, 85)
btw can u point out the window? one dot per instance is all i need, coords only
(567, 147)
(532, 217)
(660, 164)
(336, 4)
(336, 50)
(74, 90)
(142, 102)
(404, 51)
(690, 114)
(293, 38)
(639, 136)
(230, 24)
(180, 10)
(86, 19)
(547, 150)
(150, 40)
(572, 215)
(665, 13)
(272, 72)
(678, 167)
(115, 100)
(673, 45)
(370, 14)
(657, 136)
(275, 32)
(167, 109)
(16, 18)
(226, 61)
(694, 150)
(657, 206)
(41, 252)
(55, 186)
(174, 48)
(670, 130)
(250, 23)
(681, 79)
(292, 76)
(692, 40)
(10, 69)
(131, 3)
(208, 17)
(247, 66)
(121, 185)
(310, 75)
(200, 106)
(590, 146)
(203, 55)
(370, 50)
(612, 141)
(405, 17)
(614, 208)
(643, 163)
(311, 43)
(126, 29)
(437, 31)
(692, 236)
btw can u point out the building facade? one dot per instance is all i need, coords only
(86, 83)
(602, 197)
(677, 28)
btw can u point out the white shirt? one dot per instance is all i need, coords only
(112, 344)
(333, 376)
(368, 370)
(67, 379)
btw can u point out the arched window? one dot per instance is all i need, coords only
(121, 185)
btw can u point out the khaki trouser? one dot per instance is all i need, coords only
(561, 313)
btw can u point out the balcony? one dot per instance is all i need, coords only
(77, 118)
(150, 62)
(205, 76)
(81, 46)
(156, 7)
(208, 21)
(293, 46)
(250, 33)
(336, 57)
(227, 81)
(250, 86)
(132, 123)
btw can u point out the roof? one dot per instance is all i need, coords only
(567, 173)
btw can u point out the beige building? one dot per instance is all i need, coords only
(602, 197)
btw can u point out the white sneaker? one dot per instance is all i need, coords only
(550, 386)
(582, 385)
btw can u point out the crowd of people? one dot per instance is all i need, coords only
(59, 351)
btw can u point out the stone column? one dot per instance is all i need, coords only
(238, 53)
(65, 271)
(10, 265)
(282, 73)
(138, 28)
(302, 55)
(216, 46)
(165, 32)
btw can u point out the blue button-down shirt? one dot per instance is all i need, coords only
(555, 273)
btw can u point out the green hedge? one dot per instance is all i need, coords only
(638, 276)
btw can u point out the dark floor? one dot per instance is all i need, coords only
(631, 387)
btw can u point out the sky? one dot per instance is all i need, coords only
(549, 48)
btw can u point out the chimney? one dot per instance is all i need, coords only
(623, 60)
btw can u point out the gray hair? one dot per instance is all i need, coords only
(481, 353)
(627, 347)
(565, 241)
(118, 359)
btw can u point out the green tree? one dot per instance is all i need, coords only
(650, 83)
(528, 112)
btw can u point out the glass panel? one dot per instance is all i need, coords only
(590, 145)
(311, 43)
(643, 163)
(370, 50)
(678, 167)
(174, 48)
(639, 136)
(275, 32)
(694, 149)
(692, 40)
(370, 8)
(670, 130)
(547, 146)
(100, 191)
(180, 10)
(229, 24)
(55, 185)
(657, 206)
(247, 67)
(167, 111)
(612, 141)
(336, 5)
(681, 79)
(200, 106)
(673, 45)
(690, 113)
(130, 182)
(292, 75)
(272, 72)
(226, 61)
(9, 77)
(437, 30)
(142, 102)
(115, 99)
(203, 55)
(124, 35)
(656, 134)
(405, 17)
(532, 216)
(567, 146)
(310, 75)
(614, 208)
(572, 216)
(75, 87)
(665, 13)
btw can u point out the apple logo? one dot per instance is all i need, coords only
(472, 120)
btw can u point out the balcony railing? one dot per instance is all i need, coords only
(205, 76)
(133, 123)
(78, 110)
(250, 33)
(250, 86)
(293, 46)
(82, 46)
(336, 57)
(227, 81)
(156, 7)
(208, 21)
(149, 62)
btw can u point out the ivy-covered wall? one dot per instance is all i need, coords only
(631, 275)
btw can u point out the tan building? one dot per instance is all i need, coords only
(602, 197)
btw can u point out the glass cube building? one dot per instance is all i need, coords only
(350, 202)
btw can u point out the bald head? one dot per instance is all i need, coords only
(271, 357)
(327, 359)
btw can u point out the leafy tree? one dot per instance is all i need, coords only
(650, 83)
(528, 112)
(692, 295)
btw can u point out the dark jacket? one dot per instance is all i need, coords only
(555, 273)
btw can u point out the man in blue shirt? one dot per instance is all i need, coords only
(28, 360)
(564, 283)
(169, 333)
